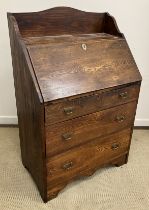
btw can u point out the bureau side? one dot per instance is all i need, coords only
(30, 109)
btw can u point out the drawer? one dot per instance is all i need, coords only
(75, 107)
(73, 163)
(65, 135)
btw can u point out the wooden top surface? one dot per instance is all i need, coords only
(63, 68)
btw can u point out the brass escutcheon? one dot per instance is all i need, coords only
(120, 118)
(68, 165)
(123, 95)
(68, 110)
(67, 136)
(84, 47)
(115, 146)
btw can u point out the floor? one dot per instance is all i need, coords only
(110, 188)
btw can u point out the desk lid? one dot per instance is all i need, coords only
(68, 65)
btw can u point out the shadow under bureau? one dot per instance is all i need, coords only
(77, 88)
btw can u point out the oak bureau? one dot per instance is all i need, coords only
(77, 88)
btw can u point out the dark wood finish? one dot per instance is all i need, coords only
(67, 37)
(53, 191)
(70, 70)
(77, 88)
(87, 127)
(29, 109)
(64, 20)
(65, 167)
(86, 104)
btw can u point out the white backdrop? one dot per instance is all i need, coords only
(132, 18)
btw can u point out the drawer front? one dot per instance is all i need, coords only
(65, 135)
(76, 107)
(73, 163)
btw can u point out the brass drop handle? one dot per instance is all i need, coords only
(120, 118)
(123, 95)
(115, 146)
(68, 110)
(67, 136)
(68, 165)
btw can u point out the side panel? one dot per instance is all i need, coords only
(30, 110)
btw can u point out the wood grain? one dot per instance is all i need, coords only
(59, 20)
(85, 157)
(77, 88)
(87, 127)
(30, 111)
(64, 69)
(93, 102)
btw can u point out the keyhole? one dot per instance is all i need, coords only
(84, 47)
